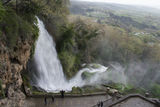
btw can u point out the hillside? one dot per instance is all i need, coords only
(136, 17)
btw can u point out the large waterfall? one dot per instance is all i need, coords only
(49, 69)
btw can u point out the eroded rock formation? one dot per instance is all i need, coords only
(12, 63)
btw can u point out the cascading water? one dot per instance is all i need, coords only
(50, 73)
(49, 68)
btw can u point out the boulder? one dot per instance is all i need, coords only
(87, 75)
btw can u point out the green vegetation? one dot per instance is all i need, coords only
(76, 90)
(87, 75)
(2, 12)
(155, 90)
(127, 35)
(26, 81)
(107, 36)
(86, 90)
(130, 18)
(72, 45)
(17, 19)
(119, 46)
(53, 14)
(68, 61)
(19, 23)
(126, 89)
(95, 66)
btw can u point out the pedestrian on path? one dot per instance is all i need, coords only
(45, 101)
(52, 98)
(98, 104)
(62, 93)
(101, 104)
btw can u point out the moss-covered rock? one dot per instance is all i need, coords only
(95, 66)
(86, 89)
(68, 61)
(87, 75)
(76, 90)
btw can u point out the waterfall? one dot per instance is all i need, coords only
(49, 69)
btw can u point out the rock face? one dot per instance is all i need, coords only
(12, 62)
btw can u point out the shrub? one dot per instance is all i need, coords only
(10, 27)
(68, 61)
(87, 75)
(73, 44)
(155, 90)
(2, 12)
(19, 23)
(28, 9)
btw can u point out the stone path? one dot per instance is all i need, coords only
(87, 101)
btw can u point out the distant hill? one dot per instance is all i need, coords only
(124, 16)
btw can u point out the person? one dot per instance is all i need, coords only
(62, 93)
(98, 104)
(101, 103)
(52, 98)
(45, 100)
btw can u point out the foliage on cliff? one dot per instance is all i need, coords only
(18, 32)
(54, 14)
(18, 22)
(72, 45)
(17, 18)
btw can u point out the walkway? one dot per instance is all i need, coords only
(87, 101)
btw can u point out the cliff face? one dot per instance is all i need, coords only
(12, 63)
(18, 34)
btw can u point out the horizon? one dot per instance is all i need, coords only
(147, 3)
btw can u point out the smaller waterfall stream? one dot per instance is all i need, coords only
(50, 73)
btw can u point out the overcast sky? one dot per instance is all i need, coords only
(151, 3)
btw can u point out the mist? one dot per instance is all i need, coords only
(137, 74)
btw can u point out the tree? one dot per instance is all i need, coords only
(5, 2)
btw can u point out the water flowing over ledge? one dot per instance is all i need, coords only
(49, 69)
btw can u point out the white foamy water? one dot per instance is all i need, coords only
(49, 69)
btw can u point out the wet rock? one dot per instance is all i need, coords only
(12, 63)
(3, 86)
(113, 91)
(147, 95)
(87, 75)
(28, 90)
